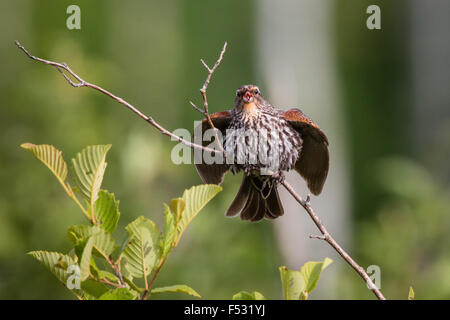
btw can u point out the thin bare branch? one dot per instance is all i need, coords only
(314, 236)
(106, 281)
(211, 71)
(204, 97)
(206, 66)
(328, 238)
(82, 83)
(197, 108)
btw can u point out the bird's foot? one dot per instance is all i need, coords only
(279, 176)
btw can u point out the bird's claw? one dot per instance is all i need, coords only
(279, 177)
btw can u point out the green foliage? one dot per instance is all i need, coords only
(244, 295)
(411, 293)
(170, 231)
(144, 252)
(193, 201)
(93, 289)
(297, 285)
(119, 294)
(102, 242)
(106, 210)
(142, 255)
(176, 288)
(88, 168)
(56, 262)
(51, 157)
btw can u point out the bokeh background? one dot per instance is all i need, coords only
(382, 97)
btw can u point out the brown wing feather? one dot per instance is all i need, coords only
(213, 173)
(241, 197)
(313, 162)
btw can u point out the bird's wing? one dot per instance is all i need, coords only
(313, 162)
(213, 173)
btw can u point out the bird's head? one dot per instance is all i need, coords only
(248, 98)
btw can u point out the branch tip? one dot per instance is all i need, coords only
(313, 236)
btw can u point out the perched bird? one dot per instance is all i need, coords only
(263, 142)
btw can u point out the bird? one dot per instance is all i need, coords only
(263, 142)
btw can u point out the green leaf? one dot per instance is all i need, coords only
(132, 285)
(94, 288)
(88, 168)
(118, 294)
(52, 158)
(106, 211)
(311, 272)
(176, 288)
(85, 261)
(244, 295)
(122, 247)
(103, 242)
(297, 285)
(170, 231)
(62, 266)
(102, 274)
(77, 233)
(58, 264)
(411, 293)
(177, 206)
(292, 282)
(195, 199)
(55, 262)
(143, 251)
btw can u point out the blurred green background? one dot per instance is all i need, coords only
(393, 96)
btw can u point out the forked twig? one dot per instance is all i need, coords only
(203, 89)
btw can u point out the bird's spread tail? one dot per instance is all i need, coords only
(256, 199)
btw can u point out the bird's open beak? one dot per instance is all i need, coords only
(248, 97)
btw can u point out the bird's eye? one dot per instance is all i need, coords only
(256, 91)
